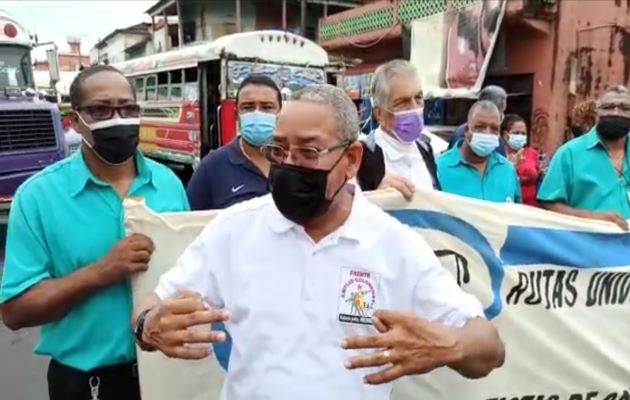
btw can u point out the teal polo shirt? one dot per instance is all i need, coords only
(582, 176)
(499, 184)
(63, 219)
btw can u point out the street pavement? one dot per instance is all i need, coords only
(22, 374)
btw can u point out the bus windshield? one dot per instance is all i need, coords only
(15, 67)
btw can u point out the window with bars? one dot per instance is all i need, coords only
(383, 18)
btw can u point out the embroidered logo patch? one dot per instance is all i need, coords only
(357, 297)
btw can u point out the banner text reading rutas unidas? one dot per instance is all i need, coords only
(558, 288)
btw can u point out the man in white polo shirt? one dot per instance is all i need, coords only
(325, 296)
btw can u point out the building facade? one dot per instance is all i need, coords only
(550, 54)
(207, 20)
(123, 44)
(69, 61)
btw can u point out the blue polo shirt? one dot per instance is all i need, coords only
(225, 177)
(499, 184)
(581, 175)
(63, 219)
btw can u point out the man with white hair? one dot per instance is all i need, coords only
(325, 279)
(398, 153)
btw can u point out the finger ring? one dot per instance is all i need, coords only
(386, 354)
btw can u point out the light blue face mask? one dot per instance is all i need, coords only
(482, 144)
(517, 141)
(257, 127)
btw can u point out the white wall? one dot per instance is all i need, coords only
(159, 40)
(218, 17)
(133, 39)
(115, 47)
(94, 55)
(42, 80)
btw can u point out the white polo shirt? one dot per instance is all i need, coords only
(403, 159)
(292, 301)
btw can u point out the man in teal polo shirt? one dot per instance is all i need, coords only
(589, 176)
(68, 262)
(472, 168)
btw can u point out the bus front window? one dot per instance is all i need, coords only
(15, 67)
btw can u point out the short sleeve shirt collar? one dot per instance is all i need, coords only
(454, 157)
(82, 175)
(592, 140)
(236, 156)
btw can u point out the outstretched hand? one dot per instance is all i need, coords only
(177, 327)
(405, 345)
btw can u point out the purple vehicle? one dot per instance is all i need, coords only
(31, 132)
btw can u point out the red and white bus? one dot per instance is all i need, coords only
(188, 94)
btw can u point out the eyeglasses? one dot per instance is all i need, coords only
(102, 112)
(302, 155)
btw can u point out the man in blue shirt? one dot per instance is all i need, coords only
(496, 95)
(68, 262)
(238, 171)
(589, 176)
(473, 168)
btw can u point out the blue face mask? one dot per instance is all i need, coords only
(257, 127)
(517, 141)
(482, 144)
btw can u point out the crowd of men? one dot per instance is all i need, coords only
(490, 157)
(294, 175)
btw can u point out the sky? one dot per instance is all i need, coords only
(90, 20)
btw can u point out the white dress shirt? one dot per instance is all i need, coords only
(291, 300)
(438, 144)
(403, 159)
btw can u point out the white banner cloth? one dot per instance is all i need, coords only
(556, 287)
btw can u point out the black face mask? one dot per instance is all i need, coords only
(115, 140)
(613, 127)
(300, 193)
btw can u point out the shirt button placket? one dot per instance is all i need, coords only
(312, 269)
(308, 286)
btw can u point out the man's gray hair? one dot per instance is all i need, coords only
(615, 89)
(345, 112)
(493, 93)
(384, 74)
(485, 106)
